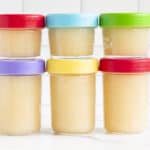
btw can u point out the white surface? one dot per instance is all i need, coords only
(98, 140)
(95, 141)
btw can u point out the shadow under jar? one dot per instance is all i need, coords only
(125, 34)
(20, 35)
(20, 96)
(72, 83)
(71, 34)
(126, 88)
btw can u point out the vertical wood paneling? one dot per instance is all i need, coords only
(51, 6)
(144, 5)
(100, 6)
(11, 6)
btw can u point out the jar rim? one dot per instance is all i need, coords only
(124, 20)
(22, 67)
(72, 66)
(73, 20)
(125, 65)
(31, 21)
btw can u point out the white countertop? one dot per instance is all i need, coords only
(98, 140)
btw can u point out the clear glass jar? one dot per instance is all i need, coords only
(73, 86)
(20, 96)
(71, 42)
(125, 34)
(71, 34)
(20, 35)
(125, 85)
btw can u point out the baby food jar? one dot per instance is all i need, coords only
(126, 34)
(125, 83)
(20, 35)
(73, 95)
(20, 96)
(71, 34)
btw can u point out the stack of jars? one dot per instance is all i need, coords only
(125, 70)
(20, 73)
(72, 72)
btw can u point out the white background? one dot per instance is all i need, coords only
(97, 140)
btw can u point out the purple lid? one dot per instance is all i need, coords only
(22, 66)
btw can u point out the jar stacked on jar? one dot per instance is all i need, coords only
(126, 69)
(20, 73)
(72, 70)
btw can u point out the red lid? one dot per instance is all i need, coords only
(126, 65)
(21, 21)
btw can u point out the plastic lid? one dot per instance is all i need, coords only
(125, 20)
(71, 20)
(22, 67)
(125, 65)
(72, 66)
(21, 21)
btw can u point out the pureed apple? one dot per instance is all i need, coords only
(125, 84)
(71, 34)
(20, 96)
(20, 35)
(73, 89)
(125, 34)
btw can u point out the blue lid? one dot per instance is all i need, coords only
(71, 20)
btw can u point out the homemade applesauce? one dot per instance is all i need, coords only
(71, 34)
(125, 85)
(20, 96)
(20, 35)
(125, 34)
(71, 41)
(73, 94)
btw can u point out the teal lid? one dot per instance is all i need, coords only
(71, 20)
(125, 20)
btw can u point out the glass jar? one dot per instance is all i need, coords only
(20, 35)
(20, 96)
(72, 95)
(71, 34)
(125, 34)
(125, 85)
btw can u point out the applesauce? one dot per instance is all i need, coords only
(20, 96)
(125, 34)
(73, 95)
(71, 34)
(20, 35)
(125, 86)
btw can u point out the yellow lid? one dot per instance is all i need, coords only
(72, 66)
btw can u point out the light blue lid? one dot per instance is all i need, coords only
(71, 20)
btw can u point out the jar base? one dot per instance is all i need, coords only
(19, 133)
(60, 132)
(108, 131)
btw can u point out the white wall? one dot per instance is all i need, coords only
(66, 6)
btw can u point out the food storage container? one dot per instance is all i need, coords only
(125, 83)
(72, 83)
(20, 35)
(71, 34)
(126, 34)
(20, 96)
